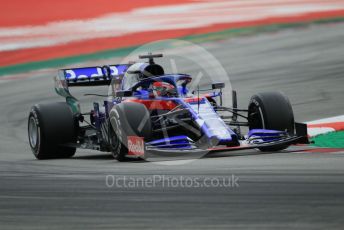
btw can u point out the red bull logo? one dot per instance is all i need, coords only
(136, 146)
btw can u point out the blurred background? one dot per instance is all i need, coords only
(38, 34)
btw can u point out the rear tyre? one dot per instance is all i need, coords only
(50, 127)
(271, 110)
(127, 119)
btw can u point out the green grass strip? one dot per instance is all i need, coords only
(225, 34)
(330, 140)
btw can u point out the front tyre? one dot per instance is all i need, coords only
(51, 128)
(127, 119)
(271, 110)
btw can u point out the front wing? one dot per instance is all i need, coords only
(151, 151)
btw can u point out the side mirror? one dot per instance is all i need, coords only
(218, 85)
(124, 93)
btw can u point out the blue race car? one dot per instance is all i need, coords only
(149, 112)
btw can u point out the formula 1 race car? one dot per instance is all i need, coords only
(151, 112)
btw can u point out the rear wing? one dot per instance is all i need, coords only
(91, 76)
(87, 76)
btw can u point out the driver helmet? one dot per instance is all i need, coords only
(162, 89)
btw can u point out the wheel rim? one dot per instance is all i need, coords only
(33, 132)
(114, 142)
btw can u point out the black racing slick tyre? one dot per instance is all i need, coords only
(51, 128)
(271, 110)
(127, 119)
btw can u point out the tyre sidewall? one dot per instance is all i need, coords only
(124, 120)
(276, 111)
(276, 114)
(35, 149)
(56, 126)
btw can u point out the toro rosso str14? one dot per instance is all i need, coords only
(151, 112)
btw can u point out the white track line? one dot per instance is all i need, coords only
(314, 131)
(327, 120)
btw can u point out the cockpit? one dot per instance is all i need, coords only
(140, 71)
(148, 80)
(163, 86)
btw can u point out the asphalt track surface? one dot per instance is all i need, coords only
(301, 190)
